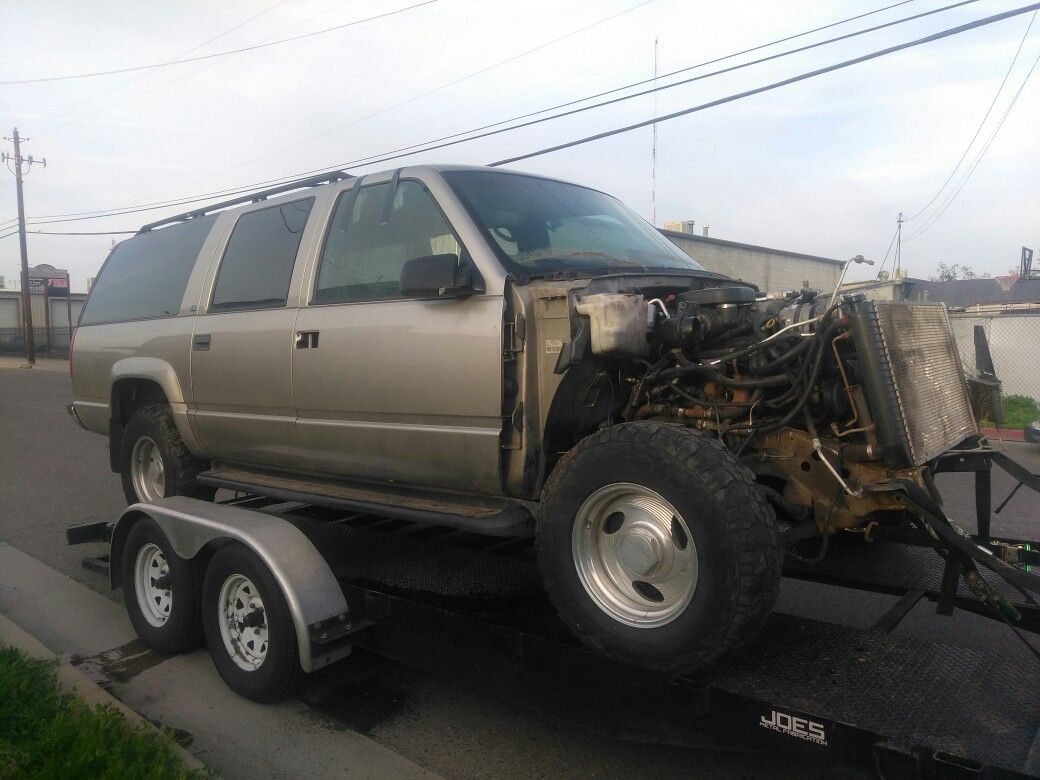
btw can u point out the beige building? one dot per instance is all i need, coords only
(770, 269)
(12, 338)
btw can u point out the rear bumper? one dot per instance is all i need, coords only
(71, 409)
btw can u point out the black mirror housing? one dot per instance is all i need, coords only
(436, 276)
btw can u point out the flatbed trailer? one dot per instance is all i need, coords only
(465, 606)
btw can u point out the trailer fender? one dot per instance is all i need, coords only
(319, 609)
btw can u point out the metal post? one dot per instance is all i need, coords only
(47, 316)
(68, 307)
(983, 501)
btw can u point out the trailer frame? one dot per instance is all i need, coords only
(904, 708)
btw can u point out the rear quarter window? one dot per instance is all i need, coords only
(145, 276)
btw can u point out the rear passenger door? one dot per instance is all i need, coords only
(241, 352)
(389, 388)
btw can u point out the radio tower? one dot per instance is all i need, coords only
(653, 151)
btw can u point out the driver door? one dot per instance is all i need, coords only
(388, 388)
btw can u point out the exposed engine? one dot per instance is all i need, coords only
(825, 400)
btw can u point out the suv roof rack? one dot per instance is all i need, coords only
(253, 197)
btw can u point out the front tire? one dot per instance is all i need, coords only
(155, 461)
(657, 548)
(249, 628)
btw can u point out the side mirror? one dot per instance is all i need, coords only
(436, 276)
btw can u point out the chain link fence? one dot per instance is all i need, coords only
(12, 341)
(1014, 344)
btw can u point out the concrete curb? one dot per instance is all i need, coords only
(42, 364)
(75, 682)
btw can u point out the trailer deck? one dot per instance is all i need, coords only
(471, 607)
(458, 605)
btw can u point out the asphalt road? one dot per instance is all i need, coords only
(53, 474)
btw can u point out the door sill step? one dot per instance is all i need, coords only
(494, 517)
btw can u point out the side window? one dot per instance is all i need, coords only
(363, 255)
(259, 259)
(145, 276)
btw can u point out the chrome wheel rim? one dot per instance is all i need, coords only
(243, 622)
(152, 583)
(146, 470)
(635, 555)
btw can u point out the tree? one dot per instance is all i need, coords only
(947, 273)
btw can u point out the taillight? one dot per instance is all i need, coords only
(72, 342)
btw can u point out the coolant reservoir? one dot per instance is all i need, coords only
(618, 323)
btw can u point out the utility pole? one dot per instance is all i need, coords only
(899, 244)
(17, 159)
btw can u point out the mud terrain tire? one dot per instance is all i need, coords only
(733, 529)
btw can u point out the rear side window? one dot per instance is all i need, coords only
(259, 259)
(145, 276)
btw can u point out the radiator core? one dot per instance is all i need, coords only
(913, 379)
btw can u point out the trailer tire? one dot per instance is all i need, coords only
(151, 434)
(630, 518)
(248, 625)
(165, 618)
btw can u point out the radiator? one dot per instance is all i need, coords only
(913, 380)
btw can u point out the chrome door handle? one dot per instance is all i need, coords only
(306, 339)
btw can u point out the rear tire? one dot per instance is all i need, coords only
(155, 461)
(249, 628)
(656, 547)
(161, 590)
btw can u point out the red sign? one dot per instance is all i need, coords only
(58, 287)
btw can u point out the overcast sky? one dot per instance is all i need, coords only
(821, 167)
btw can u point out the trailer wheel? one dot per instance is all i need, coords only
(656, 547)
(248, 625)
(155, 462)
(161, 590)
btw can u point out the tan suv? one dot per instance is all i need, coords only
(516, 355)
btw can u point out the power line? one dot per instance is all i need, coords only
(254, 47)
(474, 135)
(428, 92)
(187, 199)
(777, 84)
(978, 130)
(455, 139)
(964, 181)
(47, 119)
(699, 65)
(67, 233)
(208, 64)
(888, 252)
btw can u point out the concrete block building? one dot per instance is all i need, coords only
(770, 269)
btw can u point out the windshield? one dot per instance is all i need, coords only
(540, 225)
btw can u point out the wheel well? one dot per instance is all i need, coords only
(589, 395)
(128, 395)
